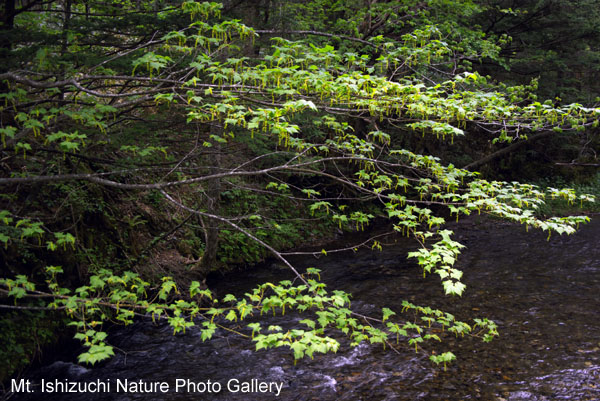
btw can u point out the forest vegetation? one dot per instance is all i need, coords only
(148, 144)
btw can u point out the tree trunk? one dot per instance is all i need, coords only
(8, 21)
(211, 227)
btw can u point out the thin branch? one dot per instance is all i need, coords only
(16, 307)
(276, 253)
(506, 150)
(317, 33)
(337, 250)
(578, 164)
(95, 177)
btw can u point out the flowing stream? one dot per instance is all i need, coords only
(544, 296)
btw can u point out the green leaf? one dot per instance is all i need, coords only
(298, 349)
(231, 316)
(387, 313)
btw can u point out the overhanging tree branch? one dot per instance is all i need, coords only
(511, 148)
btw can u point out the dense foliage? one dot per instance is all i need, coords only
(554, 41)
(132, 131)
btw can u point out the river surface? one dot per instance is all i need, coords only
(544, 296)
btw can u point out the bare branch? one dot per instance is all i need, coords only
(277, 254)
(506, 150)
(338, 250)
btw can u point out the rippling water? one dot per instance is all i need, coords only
(545, 297)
